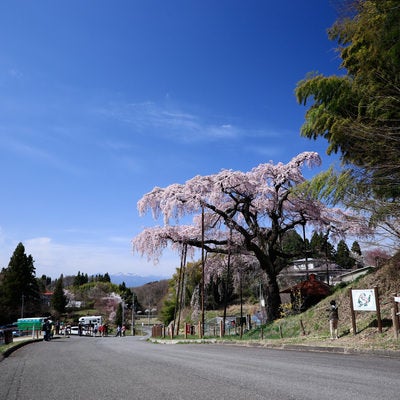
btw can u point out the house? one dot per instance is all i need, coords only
(323, 269)
(307, 293)
(46, 298)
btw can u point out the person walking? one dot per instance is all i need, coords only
(333, 319)
(118, 331)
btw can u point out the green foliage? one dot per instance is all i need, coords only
(343, 257)
(292, 244)
(359, 113)
(100, 278)
(355, 248)
(19, 290)
(126, 294)
(167, 311)
(81, 279)
(320, 246)
(59, 300)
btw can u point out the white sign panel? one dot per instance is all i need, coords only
(364, 300)
(397, 299)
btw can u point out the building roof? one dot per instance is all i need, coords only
(312, 286)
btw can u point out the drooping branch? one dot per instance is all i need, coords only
(258, 207)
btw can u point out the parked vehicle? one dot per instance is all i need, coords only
(91, 320)
(30, 324)
(75, 330)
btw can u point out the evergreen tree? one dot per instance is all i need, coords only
(343, 257)
(293, 243)
(320, 246)
(355, 248)
(59, 300)
(357, 255)
(20, 296)
(81, 279)
(126, 294)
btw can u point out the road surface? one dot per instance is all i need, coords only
(129, 368)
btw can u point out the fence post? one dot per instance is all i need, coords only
(395, 319)
(303, 331)
(353, 314)
(200, 335)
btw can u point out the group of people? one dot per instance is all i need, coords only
(48, 327)
(93, 330)
(48, 330)
(121, 330)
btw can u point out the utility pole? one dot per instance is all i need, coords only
(305, 248)
(202, 272)
(133, 315)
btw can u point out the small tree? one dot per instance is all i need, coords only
(59, 299)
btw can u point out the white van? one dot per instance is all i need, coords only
(91, 320)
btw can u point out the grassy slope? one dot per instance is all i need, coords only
(315, 320)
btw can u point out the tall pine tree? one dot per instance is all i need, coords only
(343, 257)
(20, 295)
(59, 300)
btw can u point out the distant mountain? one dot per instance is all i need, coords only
(132, 280)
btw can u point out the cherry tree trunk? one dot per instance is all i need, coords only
(273, 299)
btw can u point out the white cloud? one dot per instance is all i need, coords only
(154, 119)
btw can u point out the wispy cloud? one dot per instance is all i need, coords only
(154, 119)
(40, 154)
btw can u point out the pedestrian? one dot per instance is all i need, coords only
(46, 330)
(333, 319)
(123, 329)
(118, 331)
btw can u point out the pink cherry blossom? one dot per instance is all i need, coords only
(258, 206)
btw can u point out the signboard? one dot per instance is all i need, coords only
(364, 300)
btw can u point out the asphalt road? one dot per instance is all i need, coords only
(128, 368)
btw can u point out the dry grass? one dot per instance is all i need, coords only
(315, 320)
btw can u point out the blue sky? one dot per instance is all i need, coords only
(100, 101)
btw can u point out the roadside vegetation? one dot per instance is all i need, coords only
(312, 327)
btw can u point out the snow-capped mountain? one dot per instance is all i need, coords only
(133, 280)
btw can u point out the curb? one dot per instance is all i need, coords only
(17, 346)
(20, 344)
(288, 347)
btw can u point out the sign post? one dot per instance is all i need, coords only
(395, 315)
(365, 300)
(353, 314)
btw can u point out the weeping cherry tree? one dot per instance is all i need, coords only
(236, 212)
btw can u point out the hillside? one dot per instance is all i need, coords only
(315, 320)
